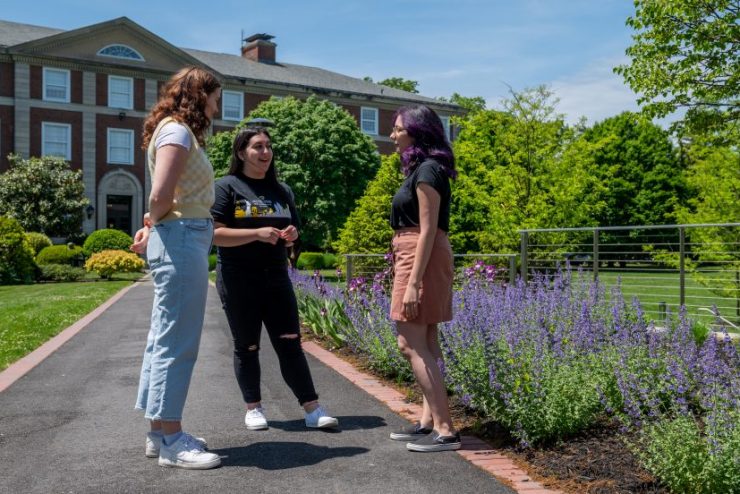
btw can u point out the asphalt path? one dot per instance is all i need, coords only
(69, 426)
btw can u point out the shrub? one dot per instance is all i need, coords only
(329, 261)
(212, 261)
(106, 239)
(109, 262)
(16, 254)
(60, 272)
(37, 241)
(69, 254)
(310, 260)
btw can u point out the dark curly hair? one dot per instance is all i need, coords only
(184, 98)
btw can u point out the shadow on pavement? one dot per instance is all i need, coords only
(346, 423)
(277, 455)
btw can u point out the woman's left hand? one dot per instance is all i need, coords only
(411, 302)
(289, 233)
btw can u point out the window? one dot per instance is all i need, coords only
(233, 105)
(121, 146)
(55, 140)
(369, 120)
(56, 85)
(121, 51)
(446, 125)
(120, 92)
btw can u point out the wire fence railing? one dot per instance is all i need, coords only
(664, 266)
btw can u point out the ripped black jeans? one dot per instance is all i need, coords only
(251, 297)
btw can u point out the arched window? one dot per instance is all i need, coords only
(121, 51)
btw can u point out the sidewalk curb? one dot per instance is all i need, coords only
(21, 367)
(474, 450)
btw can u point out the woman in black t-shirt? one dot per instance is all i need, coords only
(255, 220)
(422, 268)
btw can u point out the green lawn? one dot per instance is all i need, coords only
(32, 314)
(652, 288)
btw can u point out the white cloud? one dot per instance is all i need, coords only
(595, 93)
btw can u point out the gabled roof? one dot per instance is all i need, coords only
(299, 75)
(28, 39)
(13, 33)
(49, 42)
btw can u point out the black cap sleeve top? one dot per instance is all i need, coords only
(405, 205)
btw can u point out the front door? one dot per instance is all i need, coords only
(118, 209)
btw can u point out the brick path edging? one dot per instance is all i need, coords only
(473, 450)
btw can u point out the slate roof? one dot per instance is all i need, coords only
(311, 78)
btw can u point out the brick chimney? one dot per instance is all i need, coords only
(259, 48)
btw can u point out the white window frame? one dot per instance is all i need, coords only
(129, 104)
(131, 54)
(446, 125)
(46, 72)
(130, 159)
(240, 97)
(68, 128)
(364, 120)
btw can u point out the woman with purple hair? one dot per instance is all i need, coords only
(423, 270)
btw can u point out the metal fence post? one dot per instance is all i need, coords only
(682, 267)
(524, 247)
(596, 254)
(349, 268)
(512, 269)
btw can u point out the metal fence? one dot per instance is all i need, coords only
(665, 267)
(368, 265)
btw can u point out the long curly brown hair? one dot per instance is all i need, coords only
(183, 98)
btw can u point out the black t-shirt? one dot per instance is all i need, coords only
(405, 205)
(243, 202)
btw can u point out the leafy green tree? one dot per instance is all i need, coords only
(639, 168)
(397, 83)
(367, 229)
(44, 194)
(321, 153)
(686, 54)
(470, 103)
(520, 168)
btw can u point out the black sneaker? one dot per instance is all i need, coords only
(410, 432)
(435, 442)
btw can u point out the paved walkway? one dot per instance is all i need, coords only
(68, 425)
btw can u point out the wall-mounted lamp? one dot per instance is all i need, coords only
(89, 210)
(121, 115)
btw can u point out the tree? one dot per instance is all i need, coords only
(518, 169)
(321, 153)
(639, 168)
(398, 83)
(470, 103)
(44, 195)
(686, 54)
(367, 229)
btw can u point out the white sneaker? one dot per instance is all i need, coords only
(319, 419)
(255, 419)
(186, 452)
(154, 442)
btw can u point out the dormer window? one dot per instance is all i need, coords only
(121, 51)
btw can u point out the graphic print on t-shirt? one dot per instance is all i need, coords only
(245, 208)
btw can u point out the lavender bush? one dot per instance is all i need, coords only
(555, 356)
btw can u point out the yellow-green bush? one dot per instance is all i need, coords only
(109, 262)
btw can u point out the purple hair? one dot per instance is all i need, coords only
(425, 127)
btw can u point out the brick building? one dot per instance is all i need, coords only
(83, 94)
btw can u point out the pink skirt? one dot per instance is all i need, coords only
(435, 291)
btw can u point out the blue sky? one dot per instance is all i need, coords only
(473, 47)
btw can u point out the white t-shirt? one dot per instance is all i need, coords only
(173, 133)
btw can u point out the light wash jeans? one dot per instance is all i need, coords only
(178, 259)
